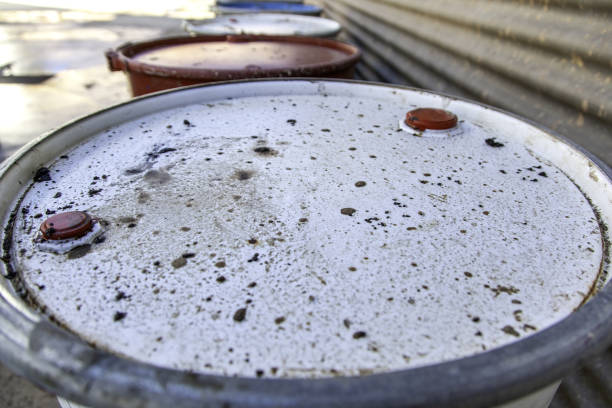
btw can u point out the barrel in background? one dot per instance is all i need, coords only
(265, 24)
(174, 62)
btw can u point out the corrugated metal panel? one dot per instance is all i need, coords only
(549, 61)
(587, 387)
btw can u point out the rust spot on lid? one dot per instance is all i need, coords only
(431, 118)
(72, 224)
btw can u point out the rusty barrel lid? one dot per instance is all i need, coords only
(233, 57)
(267, 7)
(296, 230)
(265, 24)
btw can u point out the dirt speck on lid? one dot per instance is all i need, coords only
(348, 211)
(359, 335)
(119, 316)
(265, 151)
(244, 174)
(511, 331)
(179, 262)
(240, 314)
(42, 174)
(493, 143)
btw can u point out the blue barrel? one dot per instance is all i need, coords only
(268, 7)
(258, 1)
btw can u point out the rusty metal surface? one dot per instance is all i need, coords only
(274, 149)
(167, 63)
(239, 55)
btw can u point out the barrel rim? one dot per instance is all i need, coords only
(64, 364)
(255, 7)
(123, 58)
(324, 28)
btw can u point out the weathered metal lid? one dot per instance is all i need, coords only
(265, 24)
(294, 229)
(268, 7)
(233, 57)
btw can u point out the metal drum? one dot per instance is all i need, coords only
(303, 243)
(267, 7)
(173, 62)
(265, 24)
(259, 1)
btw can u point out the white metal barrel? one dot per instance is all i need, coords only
(303, 243)
(265, 24)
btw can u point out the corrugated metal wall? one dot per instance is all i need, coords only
(589, 386)
(547, 60)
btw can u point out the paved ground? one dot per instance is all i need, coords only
(20, 393)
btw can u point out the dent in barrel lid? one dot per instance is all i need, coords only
(291, 229)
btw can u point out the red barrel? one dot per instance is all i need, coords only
(174, 62)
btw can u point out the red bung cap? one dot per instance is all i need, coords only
(431, 118)
(72, 224)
